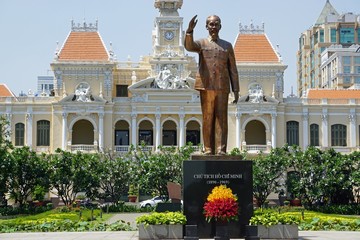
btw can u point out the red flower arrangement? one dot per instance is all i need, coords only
(221, 205)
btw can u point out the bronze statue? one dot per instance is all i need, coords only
(217, 71)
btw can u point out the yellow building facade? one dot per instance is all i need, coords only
(101, 104)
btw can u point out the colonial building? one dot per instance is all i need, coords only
(99, 103)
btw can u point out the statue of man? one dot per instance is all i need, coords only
(217, 72)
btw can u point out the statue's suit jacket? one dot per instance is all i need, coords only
(217, 65)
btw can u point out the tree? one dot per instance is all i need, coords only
(5, 159)
(28, 171)
(326, 177)
(152, 171)
(309, 165)
(337, 183)
(73, 173)
(354, 164)
(114, 177)
(268, 173)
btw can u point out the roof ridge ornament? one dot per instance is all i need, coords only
(168, 4)
(85, 27)
(251, 29)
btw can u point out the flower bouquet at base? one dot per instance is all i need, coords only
(221, 205)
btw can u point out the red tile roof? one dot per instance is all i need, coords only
(83, 46)
(5, 91)
(254, 48)
(333, 93)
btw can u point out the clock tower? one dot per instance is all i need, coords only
(168, 33)
(170, 67)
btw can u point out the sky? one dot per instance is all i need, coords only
(29, 30)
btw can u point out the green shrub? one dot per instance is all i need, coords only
(317, 224)
(162, 218)
(11, 211)
(62, 226)
(273, 218)
(122, 207)
(306, 220)
(349, 209)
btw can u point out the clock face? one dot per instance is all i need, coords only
(169, 35)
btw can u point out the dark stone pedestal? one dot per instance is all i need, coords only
(201, 174)
(191, 232)
(251, 233)
(222, 232)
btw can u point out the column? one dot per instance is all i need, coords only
(305, 129)
(352, 121)
(182, 130)
(29, 128)
(133, 129)
(181, 35)
(8, 128)
(324, 129)
(273, 130)
(157, 34)
(238, 130)
(101, 132)
(64, 130)
(157, 131)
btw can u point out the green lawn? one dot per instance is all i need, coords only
(63, 219)
(59, 214)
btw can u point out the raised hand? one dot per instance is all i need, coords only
(192, 24)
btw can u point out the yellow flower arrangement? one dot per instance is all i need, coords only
(221, 205)
(221, 192)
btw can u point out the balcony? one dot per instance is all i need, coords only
(42, 149)
(123, 149)
(255, 149)
(83, 148)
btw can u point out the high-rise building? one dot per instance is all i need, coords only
(340, 67)
(45, 85)
(331, 28)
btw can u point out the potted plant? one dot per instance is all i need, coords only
(39, 195)
(164, 225)
(222, 207)
(132, 193)
(272, 225)
(293, 185)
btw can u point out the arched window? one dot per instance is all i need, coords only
(146, 133)
(19, 134)
(43, 133)
(121, 133)
(193, 133)
(292, 133)
(169, 134)
(338, 135)
(314, 135)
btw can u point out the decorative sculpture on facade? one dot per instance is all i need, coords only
(83, 93)
(256, 94)
(168, 79)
